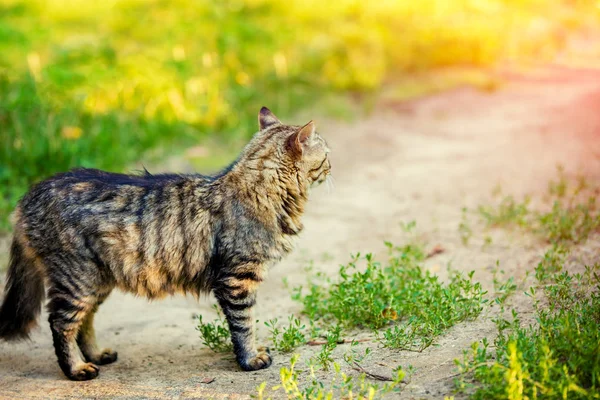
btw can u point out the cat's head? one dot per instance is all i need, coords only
(300, 149)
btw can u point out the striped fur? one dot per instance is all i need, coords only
(85, 232)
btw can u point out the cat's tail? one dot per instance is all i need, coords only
(24, 293)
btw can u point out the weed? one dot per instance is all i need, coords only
(507, 212)
(341, 386)
(432, 307)
(567, 223)
(401, 292)
(408, 227)
(502, 289)
(464, 229)
(572, 217)
(289, 338)
(559, 187)
(556, 358)
(351, 356)
(324, 358)
(551, 263)
(325, 257)
(215, 335)
(487, 242)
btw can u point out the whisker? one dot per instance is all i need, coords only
(330, 183)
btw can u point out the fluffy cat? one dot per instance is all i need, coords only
(82, 233)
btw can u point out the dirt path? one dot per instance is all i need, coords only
(423, 161)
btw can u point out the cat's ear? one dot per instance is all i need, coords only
(266, 118)
(301, 138)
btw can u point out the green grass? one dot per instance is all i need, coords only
(341, 386)
(287, 338)
(324, 358)
(464, 229)
(405, 305)
(215, 335)
(507, 212)
(568, 216)
(39, 140)
(100, 84)
(557, 356)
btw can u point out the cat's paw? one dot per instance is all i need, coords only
(104, 357)
(260, 360)
(84, 372)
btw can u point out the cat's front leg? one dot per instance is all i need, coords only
(236, 295)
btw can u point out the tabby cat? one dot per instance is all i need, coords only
(84, 232)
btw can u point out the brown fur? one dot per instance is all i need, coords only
(86, 231)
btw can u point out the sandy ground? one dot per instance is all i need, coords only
(422, 160)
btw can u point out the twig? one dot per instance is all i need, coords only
(438, 249)
(320, 342)
(359, 368)
(412, 349)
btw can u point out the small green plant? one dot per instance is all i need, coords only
(487, 242)
(507, 212)
(551, 263)
(401, 293)
(341, 386)
(570, 219)
(324, 358)
(352, 356)
(558, 356)
(215, 335)
(502, 289)
(287, 339)
(432, 307)
(555, 359)
(568, 223)
(464, 229)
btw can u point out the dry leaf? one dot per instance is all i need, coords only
(389, 313)
(438, 249)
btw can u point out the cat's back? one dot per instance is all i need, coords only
(88, 199)
(151, 234)
(83, 186)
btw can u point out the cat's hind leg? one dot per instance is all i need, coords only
(72, 296)
(66, 317)
(86, 338)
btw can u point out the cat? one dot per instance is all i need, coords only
(84, 232)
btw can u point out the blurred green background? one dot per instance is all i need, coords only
(102, 83)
